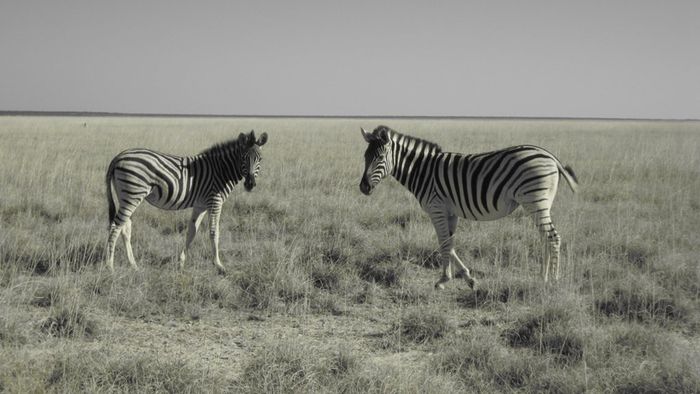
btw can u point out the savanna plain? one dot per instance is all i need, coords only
(329, 290)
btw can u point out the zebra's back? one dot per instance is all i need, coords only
(491, 185)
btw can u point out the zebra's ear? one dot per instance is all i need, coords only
(262, 140)
(242, 138)
(368, 136)
(383, 135)
(250, 139)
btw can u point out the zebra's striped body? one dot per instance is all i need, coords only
(485, 186)
(201, 182)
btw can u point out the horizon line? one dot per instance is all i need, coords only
(436, 117)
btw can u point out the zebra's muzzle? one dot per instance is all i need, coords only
(249, 184)
(365, 188)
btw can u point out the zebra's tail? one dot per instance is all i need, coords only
(110, 196)
(570, 177)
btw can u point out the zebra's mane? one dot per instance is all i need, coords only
(406, 137)
(221, 148)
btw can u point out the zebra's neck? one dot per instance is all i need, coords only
(224, 166)
(413, 162)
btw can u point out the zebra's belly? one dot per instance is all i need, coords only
(175, 201)
(169, 206)
(504, 208)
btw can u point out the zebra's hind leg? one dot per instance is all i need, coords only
(544, 256)
(195, 221)
(554, 243)
(114, 231)
(550, 237)
(126, 235)
(121, 224)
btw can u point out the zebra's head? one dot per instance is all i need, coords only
(378, 158)
(251, 157)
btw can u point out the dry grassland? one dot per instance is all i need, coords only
(331, 291)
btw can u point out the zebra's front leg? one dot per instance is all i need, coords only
(195, 221)
(463, 270)
(214, 236)
(440, 222)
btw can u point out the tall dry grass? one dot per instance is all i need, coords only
(350, 275)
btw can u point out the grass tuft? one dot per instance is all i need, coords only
(639, 298)
(488, 294)
(282, 368)
(422, 326)
(344, 362)
(552, 330)
(65, 322)
(326, 277)
(381, 270)
(97, 372)
(10, 333)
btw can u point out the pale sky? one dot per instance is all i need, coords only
(620, 59)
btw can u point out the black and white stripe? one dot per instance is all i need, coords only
(201, 182)
(485, 186)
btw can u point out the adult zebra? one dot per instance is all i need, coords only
(485, 186)
(200, 182)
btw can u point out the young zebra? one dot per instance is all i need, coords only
(200, 182)
(485, 186)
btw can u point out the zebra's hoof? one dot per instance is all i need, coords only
(221, 271)
(471, 282)
(439, 286)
